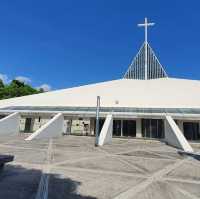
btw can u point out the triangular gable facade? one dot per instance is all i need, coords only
(137, 68)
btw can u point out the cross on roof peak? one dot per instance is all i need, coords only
(145, 65)
(145, 25)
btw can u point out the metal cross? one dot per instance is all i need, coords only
(145, 25)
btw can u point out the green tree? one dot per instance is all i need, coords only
(1, 84)
(1, 89)
(16, 89)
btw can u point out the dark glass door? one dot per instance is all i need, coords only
(146, 128)
(152, 128)
(116, 127)
(27, 128)
(191, 130)
(129, 128)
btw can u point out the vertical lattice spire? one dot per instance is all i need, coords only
(137, 68)
(145, 65)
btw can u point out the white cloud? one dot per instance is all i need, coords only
(45, 87)
(23, 79)
(4, 78)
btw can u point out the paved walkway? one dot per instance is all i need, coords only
(71, 167)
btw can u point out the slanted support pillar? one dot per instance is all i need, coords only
(105, 136)
(52, 128)
(180, 125)
(10, 124)
(138, 128)
(174, 136)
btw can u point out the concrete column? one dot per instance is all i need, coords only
(22, 124)
(69, 127)
(65, 125)
(139, 128)
(32, 124)
(52, 128)
(121, 128)
(36, 124)
(92, 127)
(10, 124)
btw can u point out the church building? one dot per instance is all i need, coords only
(144, 103)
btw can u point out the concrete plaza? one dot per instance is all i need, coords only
(71, 167)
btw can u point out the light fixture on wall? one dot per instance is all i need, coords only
(116, 102)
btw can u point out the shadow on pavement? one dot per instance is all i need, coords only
(17, 182)
(196, 156)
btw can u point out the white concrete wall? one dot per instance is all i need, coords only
(52, 128)
(22, 124)
(10, 124)
(174, 136)
(78, 126)
(105, 136)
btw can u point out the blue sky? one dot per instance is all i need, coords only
(66, 43)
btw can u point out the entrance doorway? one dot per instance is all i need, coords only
(117, 127)
(129, 128)
(27, 127)
(191, 130)
(152, 128)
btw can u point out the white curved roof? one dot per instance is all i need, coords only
(154, 93)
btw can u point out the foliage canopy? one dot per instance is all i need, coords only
(16, 88)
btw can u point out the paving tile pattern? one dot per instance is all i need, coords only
(127, 168)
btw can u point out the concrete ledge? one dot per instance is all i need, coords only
(174, 136)
(10, 124)
(105, 136)
(53, 128)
